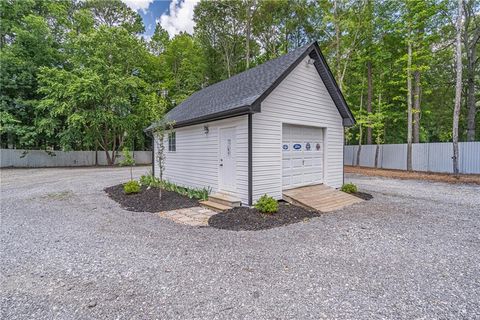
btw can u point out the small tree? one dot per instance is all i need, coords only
(162, 128)
(377, 123)
(362, 121)
(128, 160)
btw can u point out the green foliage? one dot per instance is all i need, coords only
(192, 193)
(349, 188)
(127, 158)
(132, 186)
(78, 75)
(267, 204)
(148, 180)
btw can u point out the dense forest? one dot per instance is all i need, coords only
(79, 75)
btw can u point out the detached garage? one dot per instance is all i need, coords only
(275, 127)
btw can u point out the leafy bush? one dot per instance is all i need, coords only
(266, 204)
(193, 193)
(150, 181)
(131, 186)
(349, 188)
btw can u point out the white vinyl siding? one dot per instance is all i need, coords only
(195, 163)
(301, 99)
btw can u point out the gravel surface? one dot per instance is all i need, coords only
(70, 252)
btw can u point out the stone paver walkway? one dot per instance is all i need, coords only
(195, 216)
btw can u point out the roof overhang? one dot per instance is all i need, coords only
(244, 110)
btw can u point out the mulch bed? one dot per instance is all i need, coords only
(148, 201)
(244, 218)
(419, 175)
(362, 195)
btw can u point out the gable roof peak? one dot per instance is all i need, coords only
(243, 92)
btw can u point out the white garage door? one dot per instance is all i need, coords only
(302, 150)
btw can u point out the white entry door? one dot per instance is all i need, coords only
(302, 160)
(227, 159)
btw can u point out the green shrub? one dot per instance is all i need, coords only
(150, 181)
(349, 188)
(266, 204)
(146, 179)
(131, 186)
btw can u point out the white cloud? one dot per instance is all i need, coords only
(138, 4)
(179, 18)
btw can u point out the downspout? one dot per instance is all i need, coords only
(250, 161)
(153, 156)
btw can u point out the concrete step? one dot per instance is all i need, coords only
(215, 206)
(225, 199)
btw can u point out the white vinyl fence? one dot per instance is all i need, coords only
(40, 159)
(431, 157)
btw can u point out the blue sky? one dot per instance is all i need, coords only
(174, 15)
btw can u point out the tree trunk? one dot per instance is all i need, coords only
(337, 43)
(416, 106)
(377, 134)
(109, 158)
(359, 146)
(471, 103)
(458, 86)
(409, 108)
(247, 38)
(369, 99)
(360, 133)
(227, 61)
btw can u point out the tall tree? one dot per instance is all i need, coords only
(115, 13)
(100, 93)
(471, 37)
(409, 106)
(159, 41)
(30, 34)
(458, 84)
(218, 26)
(183, 64)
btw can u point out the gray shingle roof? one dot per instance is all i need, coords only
(243, 92)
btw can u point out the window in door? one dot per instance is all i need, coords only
(172, 142)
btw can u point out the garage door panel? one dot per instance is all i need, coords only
(297, 163)
(308, 162)
(317, 161)
(302, 155)
(297, 179)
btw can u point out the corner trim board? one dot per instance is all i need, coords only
(250, 161)
(153, 155)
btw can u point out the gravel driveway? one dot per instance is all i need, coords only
(69, 252)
